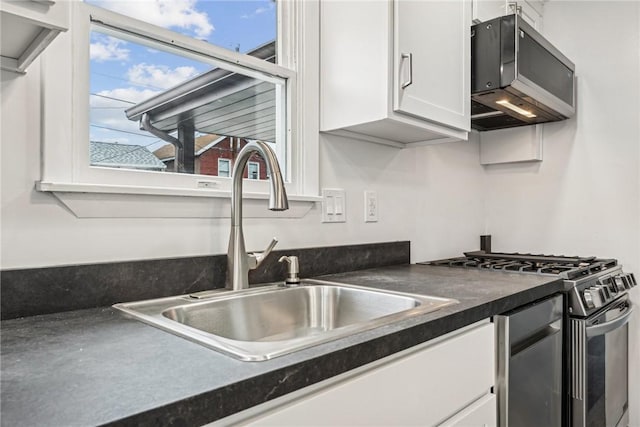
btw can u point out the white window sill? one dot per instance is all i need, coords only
(123, 201)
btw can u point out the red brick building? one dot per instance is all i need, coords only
(215, 156)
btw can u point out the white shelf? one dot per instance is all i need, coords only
(28, 27)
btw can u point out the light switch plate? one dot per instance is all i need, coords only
(370, 206)
(334, 205)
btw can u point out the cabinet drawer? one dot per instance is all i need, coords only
(423, 386)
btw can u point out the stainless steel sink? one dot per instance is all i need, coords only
(262, 323)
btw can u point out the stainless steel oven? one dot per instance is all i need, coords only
(599, 359)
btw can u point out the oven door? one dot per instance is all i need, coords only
(600, 348)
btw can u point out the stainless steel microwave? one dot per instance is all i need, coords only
(518, 77)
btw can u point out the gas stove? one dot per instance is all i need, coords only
(569, 268)
(597, 315)
(591, 282)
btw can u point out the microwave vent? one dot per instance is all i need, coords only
(501, 121)
(518, 77)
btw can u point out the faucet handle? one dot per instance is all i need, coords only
(256, 258)
(292, 269)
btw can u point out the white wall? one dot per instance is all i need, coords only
(584, 198)
(413, 189)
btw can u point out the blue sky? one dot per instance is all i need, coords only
(123, 73)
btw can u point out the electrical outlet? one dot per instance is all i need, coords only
(370, 206)
(334, 205)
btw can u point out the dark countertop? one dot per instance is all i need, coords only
(91, 367)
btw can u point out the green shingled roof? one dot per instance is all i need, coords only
(112, 154)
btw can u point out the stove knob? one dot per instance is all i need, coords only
(626, 281)
(603, 292)
(632, 279)
(607, 288)
(597, 296)
(613, 287)
(618, 282)
(588, 298)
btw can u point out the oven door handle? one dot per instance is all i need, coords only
(606, 327)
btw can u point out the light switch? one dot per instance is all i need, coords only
(330, 205)
(339, 205)
(333, 205)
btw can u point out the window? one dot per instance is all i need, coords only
(119, 69)
(224, 167)
(144, 94)
(253, 169)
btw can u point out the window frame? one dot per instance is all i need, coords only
(228, 162)
(65, 167)
(257, 166)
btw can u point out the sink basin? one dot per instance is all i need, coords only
(262, 323)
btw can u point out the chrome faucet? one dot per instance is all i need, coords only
(239, 262)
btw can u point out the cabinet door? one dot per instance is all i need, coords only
(481, 413)
(432, 60)
(422, 387)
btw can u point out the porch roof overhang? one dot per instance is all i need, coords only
(218, 102)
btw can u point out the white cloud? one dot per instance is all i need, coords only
(165, 13)
(108, 106)
(159, 76)
(259, 11)
(108, 49)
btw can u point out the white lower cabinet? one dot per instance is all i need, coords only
(446, 380)
(481, 413)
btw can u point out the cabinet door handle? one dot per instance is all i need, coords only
(408, 56)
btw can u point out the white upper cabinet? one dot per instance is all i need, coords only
(395, 72)
(28, 26)
(529, 10)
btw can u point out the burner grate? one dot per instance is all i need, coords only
(565, 267)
